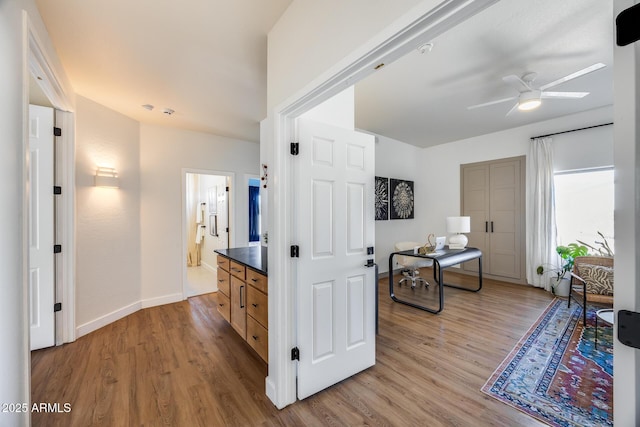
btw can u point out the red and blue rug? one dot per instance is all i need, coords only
(556, 373)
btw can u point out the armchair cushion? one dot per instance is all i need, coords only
(598, 279)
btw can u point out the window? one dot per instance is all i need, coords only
(584, 206)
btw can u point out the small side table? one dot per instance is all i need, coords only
(606, 315)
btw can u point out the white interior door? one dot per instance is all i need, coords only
(41, 228)
(335, 291)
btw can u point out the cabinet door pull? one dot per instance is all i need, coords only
(241, 297)
(220, 280)
(255, 305)
(486, 226)
(492, 226)
(221, 305)
(253, 279)
(254, 337)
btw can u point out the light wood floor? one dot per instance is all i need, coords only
(183, 365)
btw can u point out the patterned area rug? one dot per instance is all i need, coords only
(556, 373)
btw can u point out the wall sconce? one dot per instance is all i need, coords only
(106, 177)
(458, 225)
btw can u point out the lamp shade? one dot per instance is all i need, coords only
(458, 224)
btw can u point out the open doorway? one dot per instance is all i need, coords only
(206, 228)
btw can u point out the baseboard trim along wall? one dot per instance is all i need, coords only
(101, 321)
(210, 268)
(166, 299)
(107, 319)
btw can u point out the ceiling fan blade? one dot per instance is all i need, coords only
(514, 108)
(519, 84)
(497, 101)
(589, 69)
(564, 95)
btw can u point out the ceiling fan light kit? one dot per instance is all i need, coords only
(529, 100)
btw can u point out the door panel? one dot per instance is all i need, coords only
(335, 291)
(322, 212)
(41, 227)
(506, 215)
(475, 202)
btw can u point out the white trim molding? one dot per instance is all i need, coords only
(50, 80)
(165, 299)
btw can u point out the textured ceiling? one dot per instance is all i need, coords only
(421, 99)
(207, 60)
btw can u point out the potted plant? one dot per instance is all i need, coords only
(560, 283)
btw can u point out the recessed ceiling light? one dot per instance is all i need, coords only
(148, 107)
(168, 111)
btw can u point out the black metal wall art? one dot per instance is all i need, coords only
(402, 199)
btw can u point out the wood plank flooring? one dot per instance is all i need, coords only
(183, 365)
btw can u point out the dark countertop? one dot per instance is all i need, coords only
(254, 257)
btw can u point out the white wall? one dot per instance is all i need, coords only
(311, 37)
(442, 162)
(107, 219)
(164, 153)
(210, 242)
(395, 159)
(265, 130)
(14, 333)
(339, 110)
(436, 170)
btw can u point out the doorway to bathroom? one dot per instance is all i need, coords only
(207, 204)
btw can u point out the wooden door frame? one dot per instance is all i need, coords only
(523, 206)
(400, 38)
(40, 64)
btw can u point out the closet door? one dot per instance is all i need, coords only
(493, 196)
(475, 203)
(505, 213)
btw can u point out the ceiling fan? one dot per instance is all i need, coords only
(531, 97)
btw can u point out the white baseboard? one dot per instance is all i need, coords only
(208, 267)
(166, 299)
(101, 321)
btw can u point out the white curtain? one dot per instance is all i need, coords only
(541, 215)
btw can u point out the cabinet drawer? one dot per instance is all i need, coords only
(257, 280)
(258, 338)
(237, 269)
(257, 306)
(224, 282)
(223, 263)
(224, 306)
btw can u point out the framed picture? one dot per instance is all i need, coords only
(402, 199)
(212, 195)
(382, 198)
(213, 225)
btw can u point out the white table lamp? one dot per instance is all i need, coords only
(458, 225)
